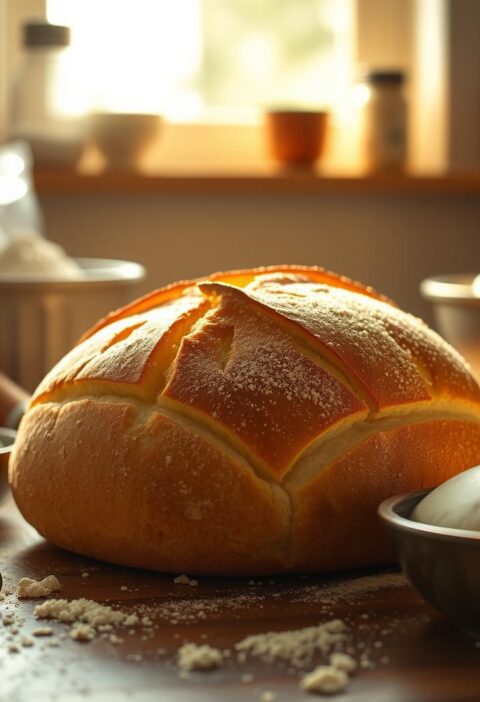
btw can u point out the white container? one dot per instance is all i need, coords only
(48, 98)
(123, 138)
(385, 123)
(42, 319)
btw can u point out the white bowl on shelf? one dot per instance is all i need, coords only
(123, 138)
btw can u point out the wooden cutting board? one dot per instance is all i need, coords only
(416, 655)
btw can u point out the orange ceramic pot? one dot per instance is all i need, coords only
(296, 137)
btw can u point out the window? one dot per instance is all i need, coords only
(196, 60)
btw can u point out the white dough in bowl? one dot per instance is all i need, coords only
(454, 504)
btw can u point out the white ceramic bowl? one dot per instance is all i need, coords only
(123, 138)
(42, 319)
(456, 308)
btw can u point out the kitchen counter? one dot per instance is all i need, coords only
(410, 653)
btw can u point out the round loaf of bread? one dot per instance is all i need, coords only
(245, 423)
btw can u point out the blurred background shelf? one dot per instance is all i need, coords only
(254, 181)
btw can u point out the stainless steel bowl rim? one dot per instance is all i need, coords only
(103, 272)
(387, 511)
(450, 288)
(7, 435)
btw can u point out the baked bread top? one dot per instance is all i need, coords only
(274, 361)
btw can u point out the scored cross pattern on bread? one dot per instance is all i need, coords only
(245, 423)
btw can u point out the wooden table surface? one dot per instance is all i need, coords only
(416, 654)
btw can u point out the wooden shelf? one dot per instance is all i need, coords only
(282, 182)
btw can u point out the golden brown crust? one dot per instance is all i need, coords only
(391, 354)
(238, 278)
(148, 493)
(242, 375)
(179, 434)
(335, 522)
(132, 352)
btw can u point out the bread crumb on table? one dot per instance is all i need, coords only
(27, 587)
(247, 678)
(131, 620)
(325, 680)
(185, 580)
(268, 696)
(82, 632)
(86, 618)
(366, 664)
(191, 656)
(342, 661)
(42, 631)
(135, 657)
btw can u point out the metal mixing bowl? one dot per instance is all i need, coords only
(442, 563)
(456, 309)
(7, 439)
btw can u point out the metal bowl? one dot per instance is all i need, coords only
(456, 309)
(442, 563)
(7, 439)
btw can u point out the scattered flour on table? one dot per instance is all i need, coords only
(85, 611)
(352, 588)
(296, 647)
(197, 609)
(298, 650)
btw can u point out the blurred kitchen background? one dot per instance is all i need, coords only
(199, 135)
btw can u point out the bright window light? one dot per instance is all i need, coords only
(188, 59)
(137, 55)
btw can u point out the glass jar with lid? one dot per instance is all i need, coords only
(48, 103)
(385, 122)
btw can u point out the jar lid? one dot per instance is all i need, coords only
(386, 77)
(45, 34)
